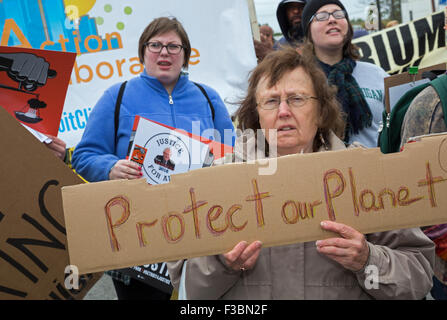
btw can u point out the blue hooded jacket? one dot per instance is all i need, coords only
(145, 96)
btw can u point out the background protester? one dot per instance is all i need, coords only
(263, 47)
(391, 24)
(267, 35)
(360, 84)
(288, 14)
(161, 93)
(425, 116)
(289, 93)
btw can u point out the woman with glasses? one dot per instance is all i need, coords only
(162, 93)
(360, 84)
(288, 94)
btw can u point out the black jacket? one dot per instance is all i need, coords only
(283, 22)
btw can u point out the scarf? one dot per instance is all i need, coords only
(358, 114)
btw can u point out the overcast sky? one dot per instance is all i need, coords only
(266, 11)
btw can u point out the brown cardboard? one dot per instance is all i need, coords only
(261, 205)
(33, 254)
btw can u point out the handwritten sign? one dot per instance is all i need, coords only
(33, 255)
(203, 212)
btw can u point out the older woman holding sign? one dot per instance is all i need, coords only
(360, 84)
(162, 93)
(288, 93)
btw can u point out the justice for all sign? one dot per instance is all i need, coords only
(162, 151)
(203, 212)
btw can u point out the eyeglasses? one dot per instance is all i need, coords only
(294, 101)
(323, 15)
(156, 47)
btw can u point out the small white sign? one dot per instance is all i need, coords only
(162, 151)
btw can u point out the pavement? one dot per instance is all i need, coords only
(102, 290)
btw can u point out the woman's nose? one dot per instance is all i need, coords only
(165, 49)
(284, 109)
(331, 18)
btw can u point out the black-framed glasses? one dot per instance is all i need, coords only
(324, 15)
(295, 101)
(156, 47)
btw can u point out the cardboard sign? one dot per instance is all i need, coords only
(126, 223)
(33, 85)
(163, 151)
(33, 254)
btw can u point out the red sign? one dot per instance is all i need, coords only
(33, 85)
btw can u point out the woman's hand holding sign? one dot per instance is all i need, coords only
(58, 146)
(351, 249)
(243, 256)
(125, 169)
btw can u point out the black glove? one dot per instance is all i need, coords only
(28, 69)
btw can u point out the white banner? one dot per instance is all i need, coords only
(105, 34)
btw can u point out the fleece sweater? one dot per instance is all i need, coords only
(145, 96)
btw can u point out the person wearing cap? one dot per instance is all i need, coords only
(288, 14)
(361, 93)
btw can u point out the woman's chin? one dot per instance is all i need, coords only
(286, 150)
(292, 148)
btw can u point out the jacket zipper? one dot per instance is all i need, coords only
(171, 103)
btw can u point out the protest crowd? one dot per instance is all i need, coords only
(308, 87)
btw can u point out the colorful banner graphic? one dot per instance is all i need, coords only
(105, 34)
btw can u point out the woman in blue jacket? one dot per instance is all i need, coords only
(161, 93)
